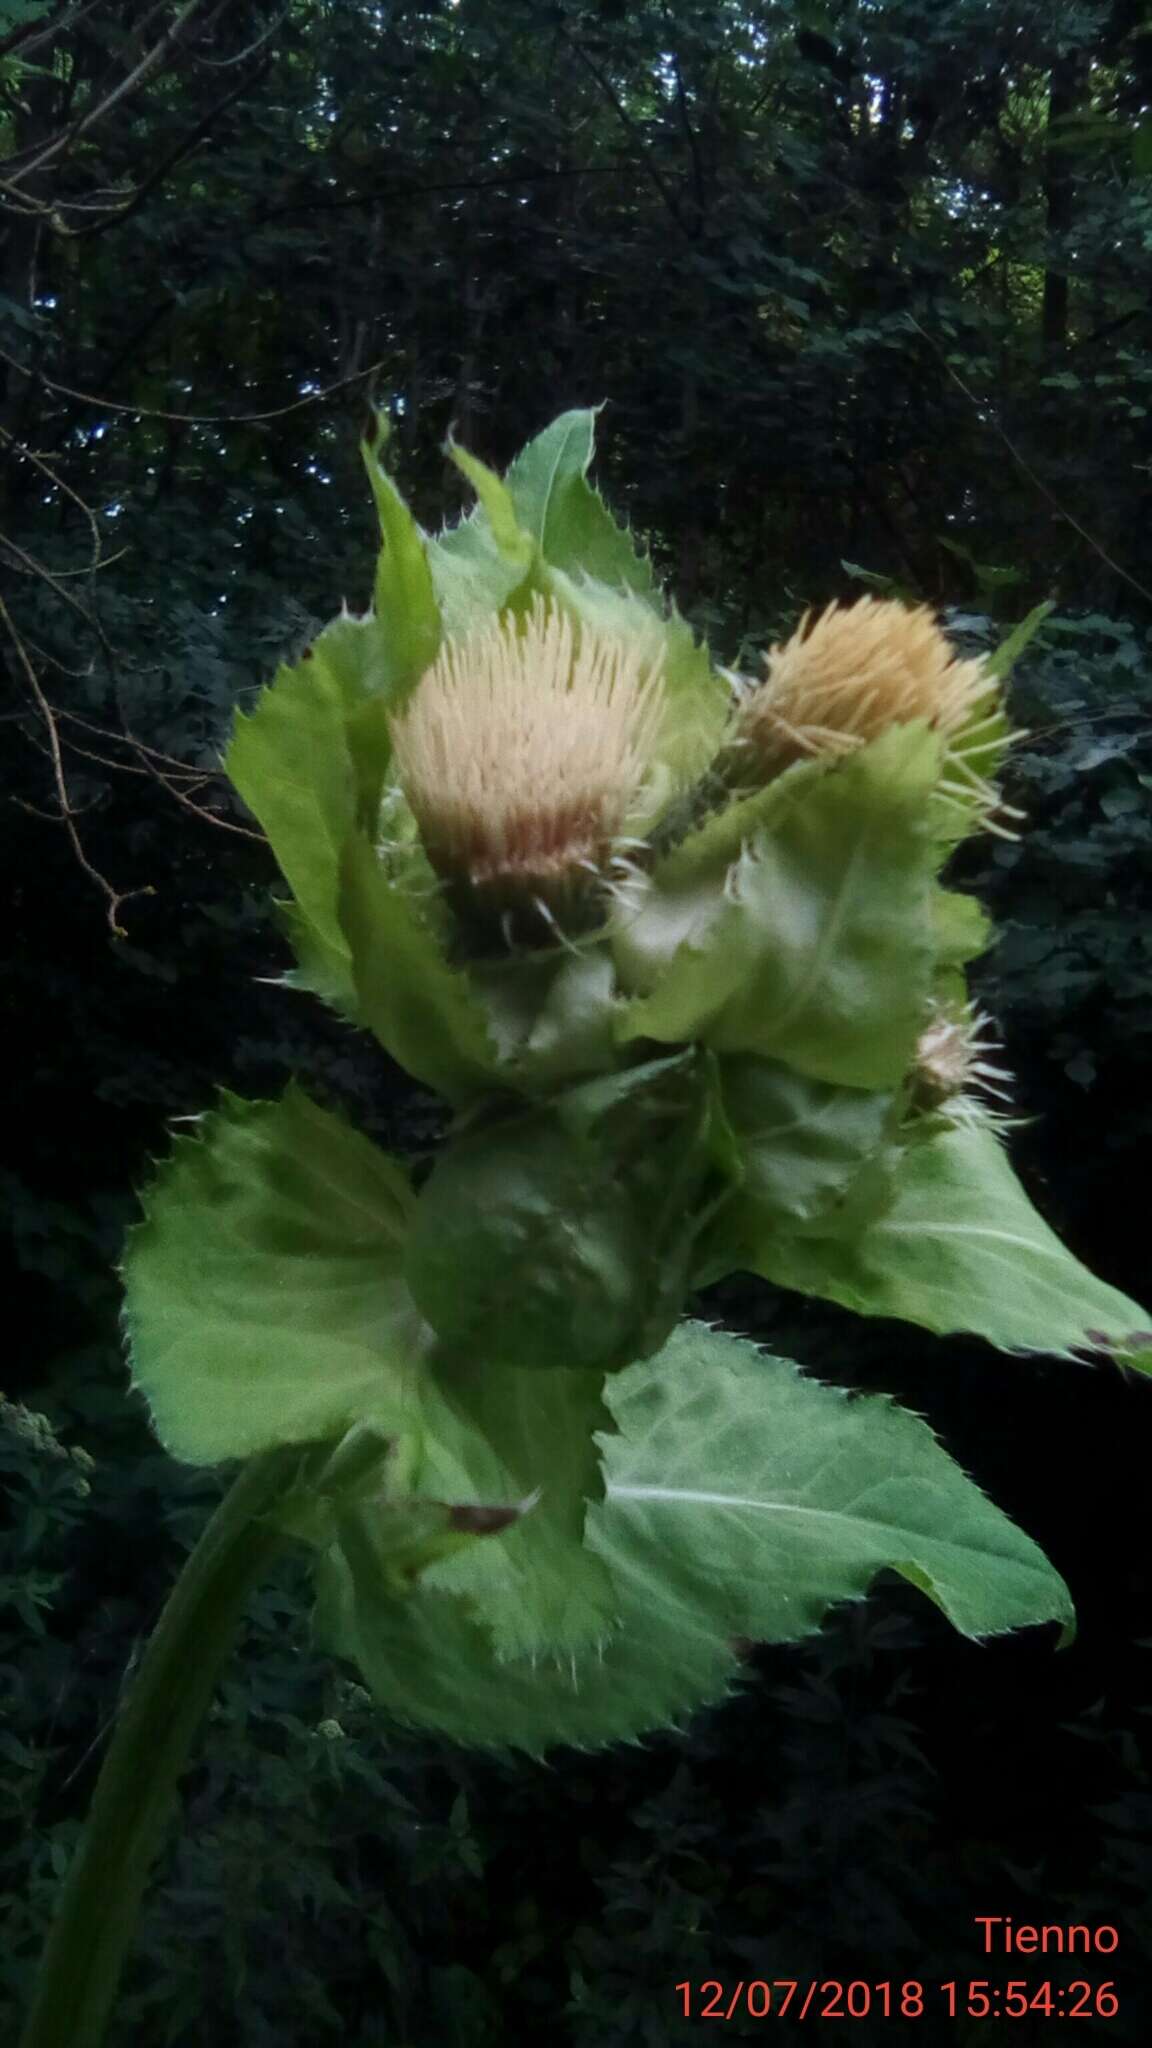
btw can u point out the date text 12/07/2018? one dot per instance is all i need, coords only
(830, 1998)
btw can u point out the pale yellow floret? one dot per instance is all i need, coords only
(852, 672)
(522, 752)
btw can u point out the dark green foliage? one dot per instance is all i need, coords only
(821, 262)
(1070, 977)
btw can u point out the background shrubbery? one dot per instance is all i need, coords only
(864, 285)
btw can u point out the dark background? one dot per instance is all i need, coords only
(868, 291)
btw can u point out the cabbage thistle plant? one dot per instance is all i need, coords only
(673, 946)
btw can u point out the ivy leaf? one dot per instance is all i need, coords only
(265, 1300)
(962, 1248)
(741, 1501)
(818, 948)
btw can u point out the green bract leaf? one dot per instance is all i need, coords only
(551, 1016)
(696, 697)
(963, 931)
(802, 1143)
(963, 928)
(472, 578)
(962, 1248)
(265, 1302)
(815, 946)
(307, 761)
(568, 519)
(515, 545)
(1003, 661)
(407, 619)
(563, 1236)
(478, 564)
(420, 1008)
(742, 1500)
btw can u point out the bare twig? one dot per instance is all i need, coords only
(226, 63)
(197, 810)
(396, 188)
(128, 84)
(132, 201)
(128, 739)
(628, 124)
(67, 816)
(198, 419)
(37, 461)
(1026, 469)
(148, 758)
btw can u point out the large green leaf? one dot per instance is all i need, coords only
(501, 1434)
(265, 1302)
(817, 948)
(306, 761)
(962, 1248)
(742, 1500)
(569, 520)
(265, 1305)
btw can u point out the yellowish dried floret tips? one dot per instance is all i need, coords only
(853, 671)
(522, 753)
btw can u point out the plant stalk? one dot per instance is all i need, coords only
(166, 1703)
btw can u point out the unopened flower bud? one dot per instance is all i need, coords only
(953, 1070)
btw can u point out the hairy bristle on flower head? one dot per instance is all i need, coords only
(850, 673)
(955, 1072)
(522, 751)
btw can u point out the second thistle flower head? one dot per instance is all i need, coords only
(522, 753)
(852, 672)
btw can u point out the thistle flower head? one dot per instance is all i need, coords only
(955, 1070)
(850, 673)
(521, 754)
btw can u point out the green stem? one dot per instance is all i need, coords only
(136, 1791)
